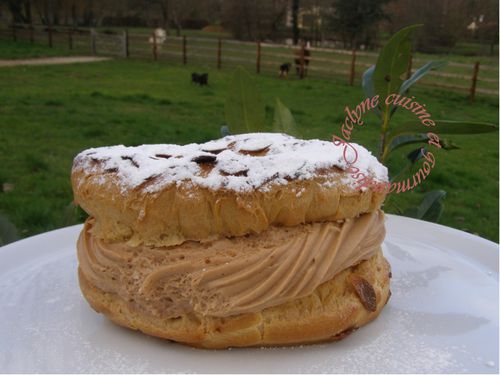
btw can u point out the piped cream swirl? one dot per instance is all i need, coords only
(229, 276)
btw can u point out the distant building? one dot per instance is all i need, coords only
(308, 18)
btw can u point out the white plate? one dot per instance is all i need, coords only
(442, 316)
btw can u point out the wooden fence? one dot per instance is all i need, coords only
(265, 58)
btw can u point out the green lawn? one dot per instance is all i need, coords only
(24, 50)
(50, 113)
(330, 64)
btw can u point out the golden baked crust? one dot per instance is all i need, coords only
(330, 313)
(179, 213)
(163, 195)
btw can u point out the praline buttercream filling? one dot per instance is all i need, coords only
(232, 275)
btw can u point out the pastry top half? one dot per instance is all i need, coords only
(164, 195)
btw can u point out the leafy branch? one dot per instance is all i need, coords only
(391, 64)
(245, 112)
(244, 108)
(384, 79)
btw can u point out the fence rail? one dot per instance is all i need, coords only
(325, 63)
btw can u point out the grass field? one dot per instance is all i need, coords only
(26, 50)
(202, 49)
(50, 113)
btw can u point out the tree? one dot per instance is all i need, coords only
(488, 28)
(253, 19)
(295, 21)
(445, 21)
(178, 10)
(356, 19)
(19, 9)
(164, 14)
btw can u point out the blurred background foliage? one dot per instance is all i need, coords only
(459, 26)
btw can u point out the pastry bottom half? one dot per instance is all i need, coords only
(335, 309)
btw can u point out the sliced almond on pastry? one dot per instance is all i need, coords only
(365, 292)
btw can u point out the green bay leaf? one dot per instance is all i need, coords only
(244, 110)
(283, 121)
(392, 63)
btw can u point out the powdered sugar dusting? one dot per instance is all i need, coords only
(241, 163)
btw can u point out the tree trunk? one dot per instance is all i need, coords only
(46, 12)
(178, 26)
(295, 21)
(15, 8)
(40, 14)
(55, 11)
(27, 11)
(257, 19)
(276, 21)
(74, 17)
(164, 15)
(247, 16)
(88, 14)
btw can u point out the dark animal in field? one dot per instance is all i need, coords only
(284, 69)
(199, 79)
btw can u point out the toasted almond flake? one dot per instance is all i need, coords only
(163, 156)
(364, 291)
(259, 152)
(209, 159)
(131, 160)
(214, 151)
(252, 144)
(243, 172)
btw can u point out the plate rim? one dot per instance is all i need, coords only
(60, 237)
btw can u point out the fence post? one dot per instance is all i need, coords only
(155, 47)
(49, 34)
(184, 48)
(92, 42)
(70, 38)
(410, 63)
(474, 82)
(352, 74)
(32, 34)
(219, 53)
(258, 56)
(14, 34)
(302, 55)
(125, 43)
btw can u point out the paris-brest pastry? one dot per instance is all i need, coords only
(256, 239)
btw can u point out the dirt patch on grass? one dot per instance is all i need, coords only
(52, 60)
